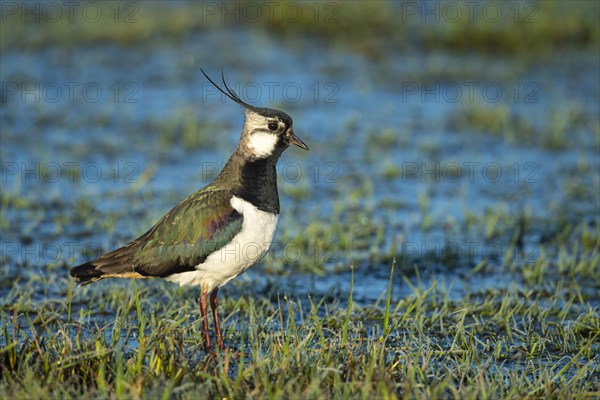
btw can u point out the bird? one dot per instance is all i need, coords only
(219, 231)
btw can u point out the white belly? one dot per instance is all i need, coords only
(246, 248)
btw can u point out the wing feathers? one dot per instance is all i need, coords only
(182, 239)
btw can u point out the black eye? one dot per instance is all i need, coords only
(273, 126)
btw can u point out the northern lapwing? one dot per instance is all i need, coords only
(219, 231)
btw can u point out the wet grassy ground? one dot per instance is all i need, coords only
(440, 239)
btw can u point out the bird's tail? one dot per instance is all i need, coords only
(86, 273)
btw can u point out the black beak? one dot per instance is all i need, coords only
(293, 139)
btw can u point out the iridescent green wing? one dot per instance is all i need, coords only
(182, 239)
(186, 235)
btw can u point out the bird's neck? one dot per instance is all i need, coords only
(252, 180)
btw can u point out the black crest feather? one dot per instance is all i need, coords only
(228, 91)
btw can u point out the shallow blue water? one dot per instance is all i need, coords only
(341, 103)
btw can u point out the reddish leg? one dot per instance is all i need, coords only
(203, 312)
(214, 305)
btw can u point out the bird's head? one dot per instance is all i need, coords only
(267, 132)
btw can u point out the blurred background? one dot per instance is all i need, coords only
(460, 138)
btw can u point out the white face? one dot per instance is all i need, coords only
(262, 144)
(264, 134)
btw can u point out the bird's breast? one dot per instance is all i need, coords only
(256, 235)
